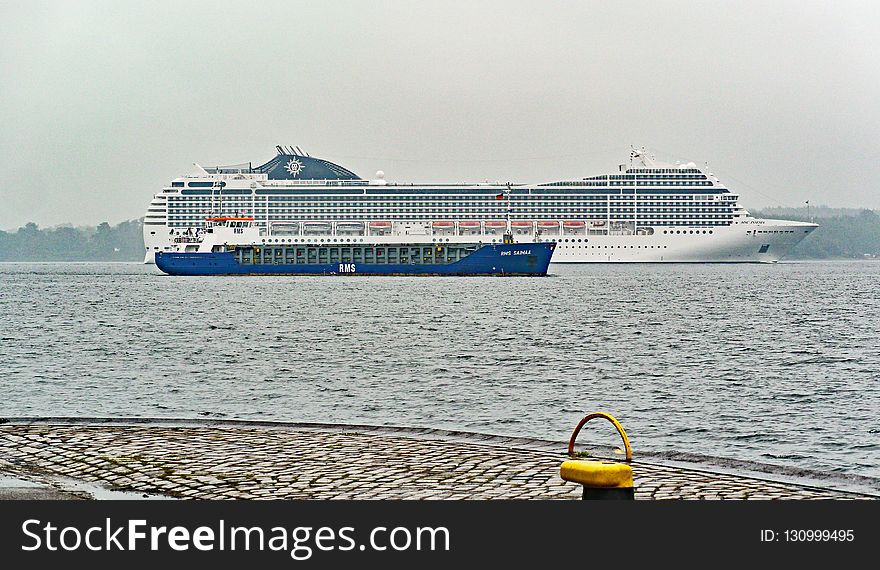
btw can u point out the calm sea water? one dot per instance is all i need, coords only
(769, 363)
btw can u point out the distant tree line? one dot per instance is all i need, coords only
(843, 233)
(122, 242)
(848, 233)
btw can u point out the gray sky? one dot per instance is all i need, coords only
(104, 102)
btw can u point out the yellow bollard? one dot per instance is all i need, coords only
(600, 479)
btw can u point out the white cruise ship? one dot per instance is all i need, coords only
(643, 212)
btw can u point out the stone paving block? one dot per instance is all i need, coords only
(237, 462)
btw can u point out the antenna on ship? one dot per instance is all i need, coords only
(508, 232)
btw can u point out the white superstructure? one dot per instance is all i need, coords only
(644, 212)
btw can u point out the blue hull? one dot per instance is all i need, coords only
(523, 259)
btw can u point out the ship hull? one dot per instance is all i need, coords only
(507, 260)
(752, 241)
(742, 242)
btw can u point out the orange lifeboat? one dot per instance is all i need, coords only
(229, 219)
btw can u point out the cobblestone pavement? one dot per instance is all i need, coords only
(259, 462)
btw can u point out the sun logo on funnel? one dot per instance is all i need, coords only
(294, 166)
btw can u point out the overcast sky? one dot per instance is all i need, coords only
(102, 103)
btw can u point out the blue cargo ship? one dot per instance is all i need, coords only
(234, 246)
(501, 259)
(504, 259)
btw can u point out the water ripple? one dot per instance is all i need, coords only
(748, 362)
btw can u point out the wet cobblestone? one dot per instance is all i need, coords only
(240, 462)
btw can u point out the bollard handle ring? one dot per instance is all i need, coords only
(611, 419)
